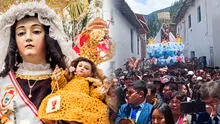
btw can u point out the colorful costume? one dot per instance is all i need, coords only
(15, 106)
(19, 98)
(144, 117)
(78, 102)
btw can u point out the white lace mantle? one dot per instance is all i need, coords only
(45, 15)
(29, 69)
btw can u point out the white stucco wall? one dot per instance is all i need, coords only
(120, 33)
(216, 30)
(199, 37)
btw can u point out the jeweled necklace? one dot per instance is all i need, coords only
(35, 72)
(30, 87)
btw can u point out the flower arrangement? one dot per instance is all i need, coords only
(166, 53)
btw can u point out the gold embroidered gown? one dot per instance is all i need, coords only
(78, 102)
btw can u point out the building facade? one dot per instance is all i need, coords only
(198, 22)
(127, 30)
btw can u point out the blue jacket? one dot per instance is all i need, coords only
(144, 118)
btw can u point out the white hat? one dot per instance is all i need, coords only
(190, 73)
(199, 78)
(46, 16)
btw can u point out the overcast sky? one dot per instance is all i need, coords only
(148, 6)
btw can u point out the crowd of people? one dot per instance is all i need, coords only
(182, 94)
(44, 81)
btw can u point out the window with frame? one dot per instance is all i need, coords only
(189, 21)
(112, 16)
(199, 16)
(192, 54)
(138, 45)
(112, 65)
(132, 40)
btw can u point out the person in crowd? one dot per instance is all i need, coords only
(151, 94)
(159, 93)
(184, 88)
(168, 89)
(136, 109)
(115, 97)
(216, 76)
(32, 44)
(78, 100)
(176, 98)
(208, 77)
(209, 93)
(162, 114)
(190, 77)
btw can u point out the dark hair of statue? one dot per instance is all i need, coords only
(54, 55)
(75, 62)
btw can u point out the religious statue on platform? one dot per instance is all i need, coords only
(165, 31)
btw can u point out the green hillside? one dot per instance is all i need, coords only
(153, 22)
(152, 19)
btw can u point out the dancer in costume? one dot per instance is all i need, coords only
(32, 44)
(79, 100)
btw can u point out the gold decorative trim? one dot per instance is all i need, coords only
(42, 77)
(98, 45)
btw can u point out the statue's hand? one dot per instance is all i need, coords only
(98, 23)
